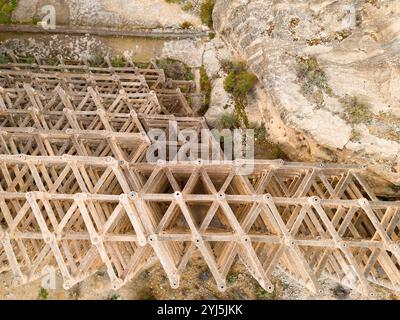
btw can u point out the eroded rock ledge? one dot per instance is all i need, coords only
(330, 73)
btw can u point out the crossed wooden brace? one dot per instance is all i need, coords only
(174, 208)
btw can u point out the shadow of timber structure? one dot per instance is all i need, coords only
(77, 195)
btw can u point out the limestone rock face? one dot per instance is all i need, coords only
(35, 10)
(330, 71)
(127, 14)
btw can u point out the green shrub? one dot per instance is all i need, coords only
(4, 59)
(43, 294)
(239, 84)
(206, 11)
(6, 9)
(245, 82)
(118, 62)
(260, 133)
(30, 59)
(229, 121)
(96, 60)
(356, 111)
(264, 295)
(206, 87)
(239, 81)
(232, 279)
(229, 82)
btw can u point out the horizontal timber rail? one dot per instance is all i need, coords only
(20, 68)
(308, 236)
(110, 97)
(104, 32)
(315, 241)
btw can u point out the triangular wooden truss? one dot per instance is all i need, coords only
(77, 195)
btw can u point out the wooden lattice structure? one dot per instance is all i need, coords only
(77, 194)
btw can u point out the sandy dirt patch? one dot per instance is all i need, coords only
(196, 283)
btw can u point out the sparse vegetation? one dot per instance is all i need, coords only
(263, 147)
(386, 126)
(260, 132)
(35, 21)
(142, 64)
(211, 35)
(312, 77)
(206, 12)
(294, 22)
(118, 62)
(28, 58)
(232, 279)
(186, 25)
(271, 28)
(4, 59)
(335, 36)
(355, 135)
(43, 294)
(239, 83)
(6, 9)
(229, 121)
(115, 297)
(96, 60)
(227, 65)
(356, 111)
(393, 135)
(173, 1)
(146, 294)
(75, 292)
(265, 295)
(176, 69)
(52, 61)
(206, 87)
(187, 6)
(266, 150)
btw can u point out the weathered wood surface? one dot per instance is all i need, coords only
(77, 194)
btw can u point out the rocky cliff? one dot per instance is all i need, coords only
(330, 74)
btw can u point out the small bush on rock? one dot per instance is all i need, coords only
(206, 12)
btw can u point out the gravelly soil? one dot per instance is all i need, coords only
(196, 283)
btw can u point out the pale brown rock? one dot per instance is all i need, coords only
(356, 44)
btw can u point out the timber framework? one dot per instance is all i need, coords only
(77, 195)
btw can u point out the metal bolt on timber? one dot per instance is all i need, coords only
(278, 216)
